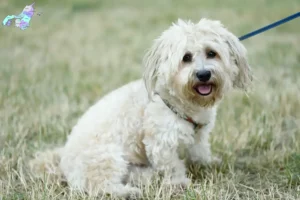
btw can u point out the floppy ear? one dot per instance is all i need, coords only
(151, 63)
(238, 52)
(165, 53)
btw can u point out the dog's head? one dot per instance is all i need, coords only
(196, 63)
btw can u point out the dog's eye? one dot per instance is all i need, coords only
(211, 54)
(188, 57)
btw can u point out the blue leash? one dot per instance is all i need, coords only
(273, 25)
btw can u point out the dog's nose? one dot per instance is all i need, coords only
(203, 75)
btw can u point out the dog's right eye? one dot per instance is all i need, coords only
(188, 57)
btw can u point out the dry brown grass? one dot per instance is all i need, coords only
(76, 52)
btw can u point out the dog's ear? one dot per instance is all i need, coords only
(238, 53)
(164, 56)
(151, 63)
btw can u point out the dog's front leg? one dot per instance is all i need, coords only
(200, 152)
(162, 154)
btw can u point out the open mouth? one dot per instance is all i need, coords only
(204, 89)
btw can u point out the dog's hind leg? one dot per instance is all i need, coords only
(141, 175)
(97, 169)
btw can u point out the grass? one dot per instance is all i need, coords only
(77, 51)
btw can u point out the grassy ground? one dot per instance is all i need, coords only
(79, 50)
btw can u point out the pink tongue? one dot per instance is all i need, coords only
(204, 89)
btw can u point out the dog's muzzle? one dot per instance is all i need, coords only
(204, 87)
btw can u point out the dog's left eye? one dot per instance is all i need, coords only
(211, 54)
(188, 57)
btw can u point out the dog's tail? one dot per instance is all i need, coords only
(45, 165)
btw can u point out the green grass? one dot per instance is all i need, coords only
(77, 51)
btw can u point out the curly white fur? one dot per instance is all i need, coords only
(131, 130)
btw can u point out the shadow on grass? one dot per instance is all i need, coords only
(292, 169)
(250, 170)
(85, 6)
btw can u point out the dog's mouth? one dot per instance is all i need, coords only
(204, 89)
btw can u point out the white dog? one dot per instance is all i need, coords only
(143, 125)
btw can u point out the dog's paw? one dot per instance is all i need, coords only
(135, 193)
(216, 161)
(209, 161)
(183, 182)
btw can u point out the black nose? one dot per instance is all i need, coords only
(203, 75)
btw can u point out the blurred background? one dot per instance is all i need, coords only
(78, 50)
